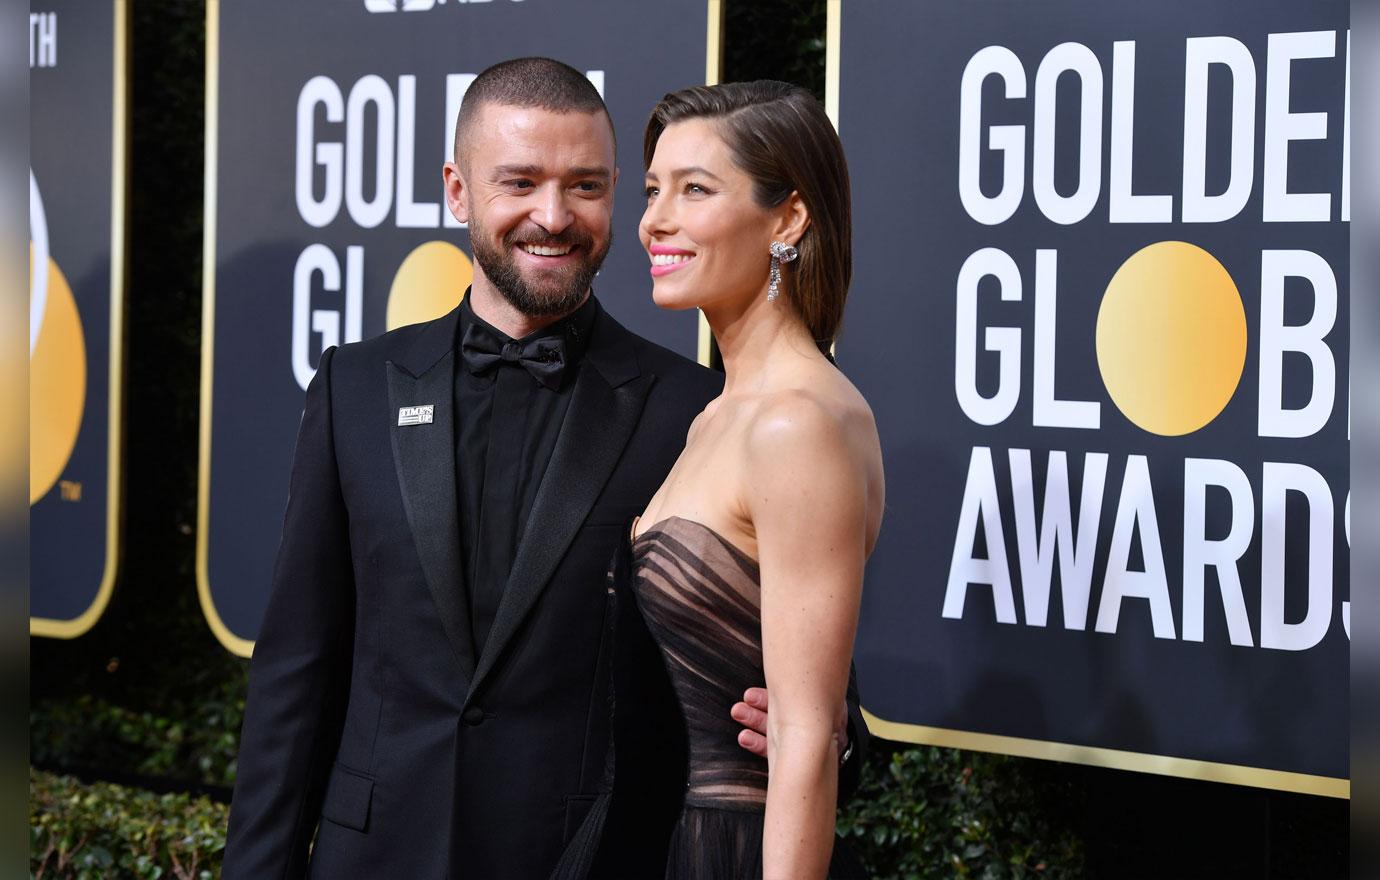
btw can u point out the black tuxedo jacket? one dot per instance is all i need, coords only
(371, 720)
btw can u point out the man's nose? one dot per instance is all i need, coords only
(552, 212)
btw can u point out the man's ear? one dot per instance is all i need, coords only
(457, 192)
(793, 220)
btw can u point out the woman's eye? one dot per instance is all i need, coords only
(651, 192)
(695, 189)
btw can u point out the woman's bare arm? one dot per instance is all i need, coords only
(806, 493)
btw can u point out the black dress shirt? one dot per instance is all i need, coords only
(506, 428)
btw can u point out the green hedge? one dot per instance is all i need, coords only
(191, 741)
(920, 813)
(924, 812)
(98, 830)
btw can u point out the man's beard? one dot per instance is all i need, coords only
(563, 290)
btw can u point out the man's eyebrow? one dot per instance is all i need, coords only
(598, 171)
(690, 171)
(590, 171)
(518, 171)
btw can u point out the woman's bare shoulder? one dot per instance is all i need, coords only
(822, 425)
(825, 405)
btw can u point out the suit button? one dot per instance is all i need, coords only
(472, 716)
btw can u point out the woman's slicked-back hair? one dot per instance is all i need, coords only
(780, 136)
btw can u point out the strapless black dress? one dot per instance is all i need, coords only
(701, 598)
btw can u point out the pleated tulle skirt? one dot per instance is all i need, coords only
(716, 843)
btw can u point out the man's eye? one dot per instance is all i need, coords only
(589, 186)
(520, 184)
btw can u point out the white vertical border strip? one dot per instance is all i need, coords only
(833, 23)
(833, 27)
(713, 75)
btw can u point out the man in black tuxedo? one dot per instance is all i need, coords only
(429, 693)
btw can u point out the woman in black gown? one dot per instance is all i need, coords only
(747, 564)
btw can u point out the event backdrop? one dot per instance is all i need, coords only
(327, 123)
(1100, 311)
(76, 300)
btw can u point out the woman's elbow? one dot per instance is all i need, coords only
(802, 744)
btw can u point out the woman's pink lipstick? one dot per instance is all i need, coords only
(661, 250)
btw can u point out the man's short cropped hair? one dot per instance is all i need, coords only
(541, 83)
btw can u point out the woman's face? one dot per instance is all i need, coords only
(707, 237)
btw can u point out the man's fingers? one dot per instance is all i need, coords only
(753, 742)
(754, 720)
(752, 714)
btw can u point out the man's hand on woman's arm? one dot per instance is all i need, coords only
(751, 712)
(852, 734)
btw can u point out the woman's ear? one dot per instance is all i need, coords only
(792, 220)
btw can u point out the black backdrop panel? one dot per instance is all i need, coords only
(1031, 327)
(328, 123)
(76, 164)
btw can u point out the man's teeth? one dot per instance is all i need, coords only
(540, 251)
(669, 259)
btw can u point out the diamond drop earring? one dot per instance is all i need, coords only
(780, 253)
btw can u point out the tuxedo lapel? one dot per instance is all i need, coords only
(605, 406)
(424, 455)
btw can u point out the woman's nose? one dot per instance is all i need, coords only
(658, 218)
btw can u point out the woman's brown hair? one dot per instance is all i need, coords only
(780, 136)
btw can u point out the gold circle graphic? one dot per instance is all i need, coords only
(1171, 338)
(429, 283)
(57, 385)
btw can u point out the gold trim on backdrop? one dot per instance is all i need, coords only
(833, 20)
(1235, 774)
(1163, 765)
(232, 642)
(833, 24)
(713, 75)
(235, 644)
(119, 175)
(714, 44)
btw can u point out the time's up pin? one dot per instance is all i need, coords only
(416, 415)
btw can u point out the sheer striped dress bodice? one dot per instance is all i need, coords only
(701, 598)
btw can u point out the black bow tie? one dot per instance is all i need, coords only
(544, 357)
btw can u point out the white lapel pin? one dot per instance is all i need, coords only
(416, 415)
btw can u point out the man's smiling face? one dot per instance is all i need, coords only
(536, 188)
